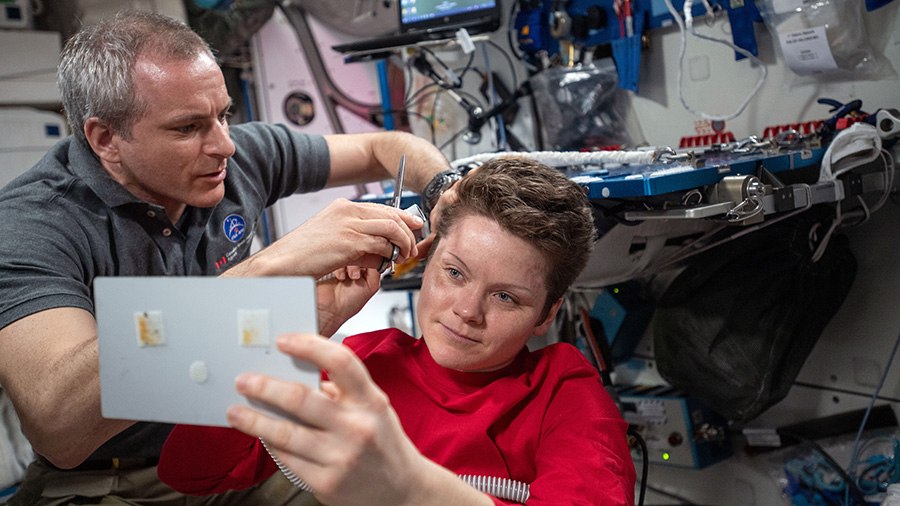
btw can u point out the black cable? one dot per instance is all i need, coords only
(441, 90)
(433, 109)
(457, 134)
(421, 94)
(450, 78)
(409, 83)
(509, 40)
(461, 74)
(471, 97)
(425, 91)
(512, 67)
(468, 66)
(425, 96)
(644, 465)
(424, 118)
(453, 154)
(420, 91)
(429, 51)
(509, 27)
(427, 122)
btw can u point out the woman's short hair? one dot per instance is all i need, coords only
(535, 203)
(96, 67)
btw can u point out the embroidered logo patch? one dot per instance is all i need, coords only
(234, 227)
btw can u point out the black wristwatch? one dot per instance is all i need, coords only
(437, 186)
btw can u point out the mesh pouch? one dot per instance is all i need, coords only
(734, 328)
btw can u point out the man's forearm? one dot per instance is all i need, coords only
(362, 158)
(69, 426)
(423, 159)
(52, 376)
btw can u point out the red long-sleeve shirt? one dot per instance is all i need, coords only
(544, 420)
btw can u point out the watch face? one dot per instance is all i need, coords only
(440, 182)
(433, 189)
(437, 186)
(444, 181)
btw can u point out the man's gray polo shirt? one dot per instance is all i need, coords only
(66, 221)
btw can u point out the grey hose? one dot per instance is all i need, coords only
(501, 488)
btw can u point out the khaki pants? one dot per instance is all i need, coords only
(45, 486)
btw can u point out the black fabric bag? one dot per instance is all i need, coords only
(735, 327)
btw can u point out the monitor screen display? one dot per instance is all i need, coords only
(434, 13)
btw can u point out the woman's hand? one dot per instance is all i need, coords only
(348, 445)
(341, 296)
(447, 198)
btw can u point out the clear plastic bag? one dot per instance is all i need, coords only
(808, 474)
(582, 107)
(824, 40)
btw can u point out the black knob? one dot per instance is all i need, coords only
(579, 27)
(596, 17)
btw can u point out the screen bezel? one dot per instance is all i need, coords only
(476, 21)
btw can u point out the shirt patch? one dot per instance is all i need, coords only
(234, 226)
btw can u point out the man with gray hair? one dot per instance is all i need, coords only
(155, 182)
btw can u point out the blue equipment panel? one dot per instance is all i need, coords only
(600, 23)
(625, 181)
(678, 430)
(660, 178)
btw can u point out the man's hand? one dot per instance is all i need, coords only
(343, 295)
(343, 234)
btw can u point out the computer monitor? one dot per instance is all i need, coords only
(425, 20)
(439, 15)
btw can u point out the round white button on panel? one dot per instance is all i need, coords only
(199, 373)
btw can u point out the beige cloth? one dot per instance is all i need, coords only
(46, 486)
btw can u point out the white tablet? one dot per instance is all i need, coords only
(171, 347)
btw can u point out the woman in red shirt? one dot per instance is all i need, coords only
(399, 419)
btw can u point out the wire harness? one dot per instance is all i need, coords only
(501, 488)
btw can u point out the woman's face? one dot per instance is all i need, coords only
(482, 297)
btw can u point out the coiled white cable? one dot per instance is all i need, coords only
(501, 488)
(293, 478)
(688, 25)
(566, 158)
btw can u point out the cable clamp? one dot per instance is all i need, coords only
(465, 41)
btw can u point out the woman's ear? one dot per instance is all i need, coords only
(102, 140)
(544, 326)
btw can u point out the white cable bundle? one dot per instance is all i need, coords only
(565, 158)
(687, 25)
(502, 488)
